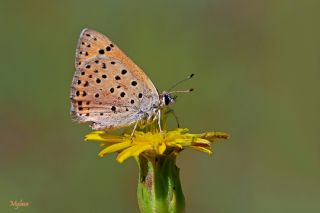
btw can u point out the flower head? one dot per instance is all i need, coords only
(155, 151)
(154, 143)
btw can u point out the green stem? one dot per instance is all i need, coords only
(159, 188)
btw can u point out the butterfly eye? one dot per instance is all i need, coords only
(167, 99)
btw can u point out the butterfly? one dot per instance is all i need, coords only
(109, 90)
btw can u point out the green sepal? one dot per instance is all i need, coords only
(159, 187)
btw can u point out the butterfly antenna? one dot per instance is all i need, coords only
(179, 82)
(181, 91)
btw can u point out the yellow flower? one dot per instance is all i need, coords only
(154, 143)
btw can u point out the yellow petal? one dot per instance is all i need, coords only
(161, 148)
(202, 149)
(201, 141)
(215, 135)
(103, 137)
(132, 151)
(180, 141)
(114, 148)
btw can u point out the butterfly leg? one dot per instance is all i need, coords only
(159, 122)
(175, 116)
(134, 129)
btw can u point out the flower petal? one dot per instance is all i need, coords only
(161, 148)
(215, 135)
(114, 148)
(132, 151)
(103, 137)
(201, 141)
(202, 149)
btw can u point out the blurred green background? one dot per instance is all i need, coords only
(257, 66)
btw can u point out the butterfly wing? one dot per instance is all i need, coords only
(108, 88)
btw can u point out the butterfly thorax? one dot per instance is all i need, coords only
(150, 113)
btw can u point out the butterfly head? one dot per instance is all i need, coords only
(166, 98)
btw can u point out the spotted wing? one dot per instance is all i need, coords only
(108, 89)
